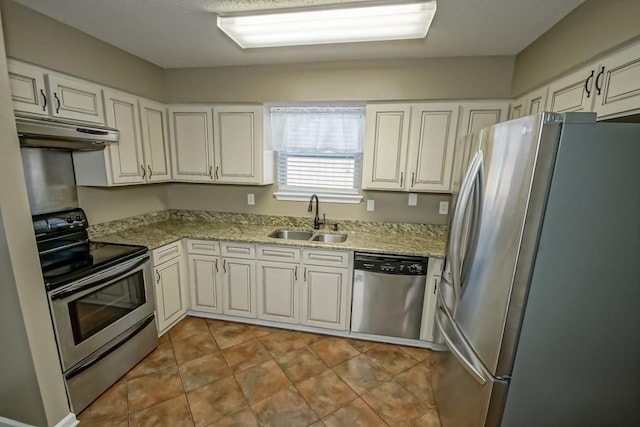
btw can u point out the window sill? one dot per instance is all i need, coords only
(324, 198)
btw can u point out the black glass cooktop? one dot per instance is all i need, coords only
(83, 259)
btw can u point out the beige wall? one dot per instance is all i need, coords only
(108, 204)
(442, 78)
(594, 27)
(33, 37)
(27, 278)
(389, 206)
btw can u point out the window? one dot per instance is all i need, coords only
(319, 151)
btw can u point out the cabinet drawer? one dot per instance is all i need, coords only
(278, 253)
(329, 258)
(203, 247)
(167, 252)
(238, 250)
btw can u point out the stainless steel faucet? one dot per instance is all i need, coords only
(317, 222)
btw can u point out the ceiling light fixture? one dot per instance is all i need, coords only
(398, 21)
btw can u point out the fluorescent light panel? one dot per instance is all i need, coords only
(347, 25)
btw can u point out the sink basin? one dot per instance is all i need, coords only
(291, 234)
(329, 238)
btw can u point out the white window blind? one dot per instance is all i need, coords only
(319, 148)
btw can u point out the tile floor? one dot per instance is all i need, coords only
(211, 372)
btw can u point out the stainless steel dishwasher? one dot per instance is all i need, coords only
(388, 294)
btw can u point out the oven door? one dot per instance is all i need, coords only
(89, 313)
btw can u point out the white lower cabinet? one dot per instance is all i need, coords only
(434, 274)
(326, 289)
(278, 291)
(238, 280)
(205, 284)
(170, 286)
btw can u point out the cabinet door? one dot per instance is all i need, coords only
(27, 88)
(206, 291)
(518, 108)
(277, 291)
(385, 147)
(155, 140)
(238, 143)
(239, 287)
(171, 298)
(619, 83)
(75, 99)
(126, 156)
(537, 100)
(432, 141)
(434, 274)
(478, 115)
(573, 92)
(191, 143)
(325, 297)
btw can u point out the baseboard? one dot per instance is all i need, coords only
(68, 421)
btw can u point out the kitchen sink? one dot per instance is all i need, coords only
(329, 238)
(291, 234)
(308, 235)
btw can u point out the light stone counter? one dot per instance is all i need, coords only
(158, 229)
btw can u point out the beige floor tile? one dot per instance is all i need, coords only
(262, 381)
(280, 343)
(194, 347)
(361, 374)
(285, 408)
(326, 392)
(154, 388)
(308, 337)
(430, 419)
(261, 331)
(246, 355)
(394, 404)
(164, 339)
(361, 345)
(171, 413)
(187, 327)
(242, 418)
(417, 380)
(161, 358)
(111, 404)
(390, 358)
(105, 422)
(301, 364)
(214, 324)
(204, 370)
(216, 400)
(232, 334)
(420, 354)
(355, 414)
(334, 350)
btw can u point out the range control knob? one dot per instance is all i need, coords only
(78, 218)
(69, 220)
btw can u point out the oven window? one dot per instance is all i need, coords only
(97, 310)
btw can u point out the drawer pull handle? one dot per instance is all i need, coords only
(217, 265)
(55, 95)
(144, 171)
(224, 265)
(295, 273)
(157, 277)
(44, 99)
(305, 274)
(586, 84)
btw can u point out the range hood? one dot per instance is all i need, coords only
(49, 133)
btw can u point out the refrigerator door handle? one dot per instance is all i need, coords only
(474, 175)
(467, 365)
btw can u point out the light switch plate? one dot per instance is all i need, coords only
(413, 199)
(371, 204)
(444, 208)
(251, 200)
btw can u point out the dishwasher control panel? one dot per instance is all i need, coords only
(391, 264)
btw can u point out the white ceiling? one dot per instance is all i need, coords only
(183, 33)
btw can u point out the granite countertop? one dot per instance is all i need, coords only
(418, 240)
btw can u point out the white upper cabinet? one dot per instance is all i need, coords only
(431, 147)
(191, 131)
(385, 148)
(478, 115)
(518, 108)
(238, 145)
(536, 101)
(618, 83)
(37, 91)
(27, 88)
(572, 93)
(155, 140)
(409, 147)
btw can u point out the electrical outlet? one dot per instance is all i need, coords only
(444, 208)
(413, 199)
(371, 204)
(251, 200)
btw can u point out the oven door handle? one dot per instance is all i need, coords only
(92, 360)
(97, 280)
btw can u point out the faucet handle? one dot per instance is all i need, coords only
(335, 226)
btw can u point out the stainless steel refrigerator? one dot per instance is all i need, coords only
(540, 306)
